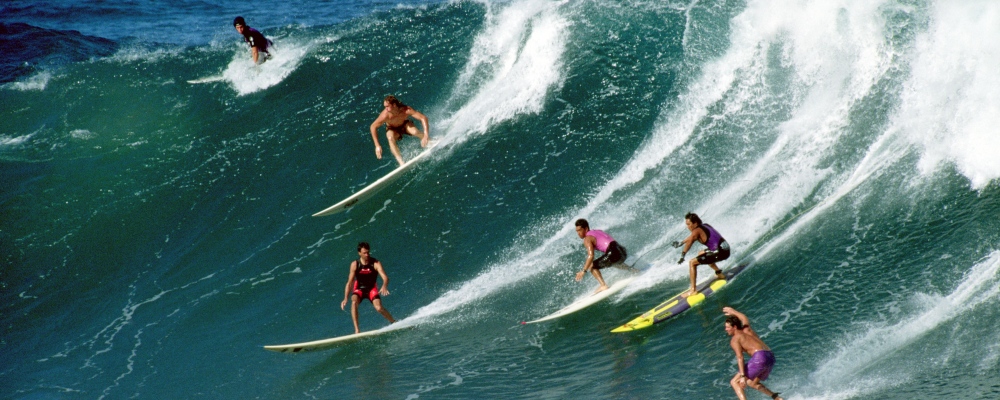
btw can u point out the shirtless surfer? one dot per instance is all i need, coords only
(745, 340)
(396, 117)
(614, 253)
(717, 250)
(361, 284)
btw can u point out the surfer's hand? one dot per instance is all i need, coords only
(727, 311)
(681, 261)
(425, 141)
(579, 276)
(343, 304)
(378, 152)
(384, 292)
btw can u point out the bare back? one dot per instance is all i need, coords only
(746, 340)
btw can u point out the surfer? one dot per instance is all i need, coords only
(745, 340)
(717, 250)
(361, 284)
(396, 117)
(614, 253)
(258, 43)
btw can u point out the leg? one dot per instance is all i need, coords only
(392, 136)
(738, 386)
(412, 130)
(718, 272)
(382, 310)
(355, 300)
(600, 279)
(763, 389)
(693, 270)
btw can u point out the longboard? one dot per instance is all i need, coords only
(331, 342)
(586, 301)
(677, 304)
(376, 186)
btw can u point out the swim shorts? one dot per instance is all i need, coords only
(760, 365)
(615, 254)
(400, 129)
(712, 257)
(371, 294)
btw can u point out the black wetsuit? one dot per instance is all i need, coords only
(365, 280)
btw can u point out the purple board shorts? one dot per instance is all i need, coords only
(760, 365)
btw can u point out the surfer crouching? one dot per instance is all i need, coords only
(396, 117)
(258, 43)
(745, 340)
(718, 249)
(361, 284)
(614, 253)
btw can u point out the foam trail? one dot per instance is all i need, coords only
(515, 62)
(246, 78)
(950, 100)
(849, 371)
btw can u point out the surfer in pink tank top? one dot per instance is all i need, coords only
(614, 253)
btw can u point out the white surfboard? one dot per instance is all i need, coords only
(376, 186)
(586, 301)
(331, 342)
(208, 79)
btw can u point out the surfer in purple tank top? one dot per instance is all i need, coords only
(717, 249)
(614, 253)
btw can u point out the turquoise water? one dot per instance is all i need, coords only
(156, 233)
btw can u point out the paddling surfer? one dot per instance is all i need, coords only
(745, 340)
(361, 284)
(718, 249)
(258, 43)
(396, 117)
(614, 253)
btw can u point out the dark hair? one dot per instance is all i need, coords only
(583, 223)
(734, 321)
(693, 218)
(394, 101)
(364, 245)
(239, 21)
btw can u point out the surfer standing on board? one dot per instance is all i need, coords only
(745, 340)
(361, 284)
(717, 250)
(396, 117)
(258, 43)
(614, 253)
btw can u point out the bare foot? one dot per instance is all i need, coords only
(720, 275)
(688, 293)
(600, 289)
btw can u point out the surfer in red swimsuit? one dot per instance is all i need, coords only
(361, 284)
(396, 117)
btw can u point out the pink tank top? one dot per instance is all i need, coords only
(602, 239)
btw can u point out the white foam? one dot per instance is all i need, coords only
(950, 99)
(246, 78)
(515, 62)
(36, 82)
(848, 372)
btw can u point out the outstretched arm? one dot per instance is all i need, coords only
(426, 123)
(374, 131)
(385, 279)
(347, 288)
(743, 318)
(588, 243)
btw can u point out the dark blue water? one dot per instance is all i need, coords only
(155, 233)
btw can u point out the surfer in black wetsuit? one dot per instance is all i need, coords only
(258, 43)
(361, 284)
(718, 249)
(396, 117)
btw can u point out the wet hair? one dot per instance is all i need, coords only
(734, 321)
(239, 21)
(583, 223)
(693, 218)
(364, 245)
(394, 101)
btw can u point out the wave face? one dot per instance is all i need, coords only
(157, 193)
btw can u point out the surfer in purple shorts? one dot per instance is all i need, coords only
(745, 340)
(614, 253)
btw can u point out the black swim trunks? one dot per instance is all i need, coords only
(712, 257)
(615, 254)
(400, 129)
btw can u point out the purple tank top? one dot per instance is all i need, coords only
(714, 238)
(602, 239)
